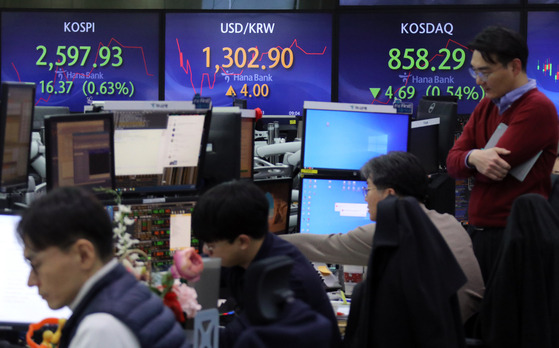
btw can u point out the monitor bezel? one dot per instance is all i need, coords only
(346, 177)
(6, 87)
(51, 121)
(348, 107)
(224, 133)
(171, 190)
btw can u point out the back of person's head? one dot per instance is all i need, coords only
(230, 209)
(401, 171)
(501, 44)
(63, 216)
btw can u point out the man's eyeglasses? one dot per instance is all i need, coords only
(366, 190)
(482, 75)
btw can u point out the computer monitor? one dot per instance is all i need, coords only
(160, 152)
(287, 125)
(331, 205)
(424, 143)
(230, 147)
(278, 193)
(161, 228)
(79, 150)
(247, 143)
(340, 137)
(40, 112)
(21, 305)
(16, 117)
(446, 109)
(223, 150)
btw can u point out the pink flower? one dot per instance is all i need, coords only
(187, 264)
(187, 299)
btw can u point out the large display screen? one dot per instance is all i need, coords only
(342, 137)
(76, 58)
(544, 53)
(410, 55)
(273, 60)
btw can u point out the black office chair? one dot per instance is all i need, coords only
(268, 289)
(409, 296)
(272, 316)
(521, 303)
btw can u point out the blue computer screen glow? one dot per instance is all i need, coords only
(332, 205)
(345, 140)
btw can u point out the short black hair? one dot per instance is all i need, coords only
(399, 170)
(230, 209)
(63, 216)
(500, 43)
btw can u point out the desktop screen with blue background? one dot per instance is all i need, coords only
(332, 205)
(346, 140)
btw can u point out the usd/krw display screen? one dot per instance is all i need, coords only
(76, 58)
(273, 60)
(543, 61)
(411, 55)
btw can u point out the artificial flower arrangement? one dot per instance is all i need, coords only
(174, 290)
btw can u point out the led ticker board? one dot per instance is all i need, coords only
(275, 61)
(76, 58)
(410, 55)
(543, 60)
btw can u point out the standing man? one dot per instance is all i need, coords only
(499, 66)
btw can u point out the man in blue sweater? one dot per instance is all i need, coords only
(232, 220)
(68, 241)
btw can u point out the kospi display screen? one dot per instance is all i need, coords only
(543, 61)
(78, 57)
(411, 55)
(273, 60)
